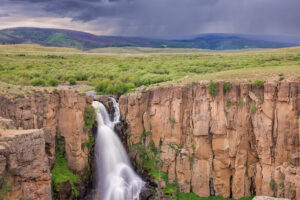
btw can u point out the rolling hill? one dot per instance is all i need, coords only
(82, 40)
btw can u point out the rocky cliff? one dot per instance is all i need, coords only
(232, 141)
(24, 167)
(59, 115)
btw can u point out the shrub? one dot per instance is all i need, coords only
(153, 148)
(193, 147)
(253, 108)
(108, 87)
(281, 185)
(81, 77)
(226, 87)
(241, 102)
(89, 117)
(72, 81)
(6, 187)
(281, 78)
(258, 84)
(213, 88)
(53, 82)
(228, 103)
(102, 86)
(61, 174)
(38, 82)
(172, 121)
(282, 176)
(272, 184)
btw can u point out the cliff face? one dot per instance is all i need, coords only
(24, 168)
(58, 114)
(241, 142)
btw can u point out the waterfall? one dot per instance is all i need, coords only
(116, 179)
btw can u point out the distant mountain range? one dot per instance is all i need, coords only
(82, 40)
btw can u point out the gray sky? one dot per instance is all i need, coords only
(156, 17)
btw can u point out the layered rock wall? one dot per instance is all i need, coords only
(242, 142)
(58, 113)
(24, 167)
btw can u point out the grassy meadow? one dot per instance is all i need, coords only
(118, 70)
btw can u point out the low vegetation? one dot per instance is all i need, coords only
(226, 87)
(213, 88)
(89, 118)
(253, 108)
(149, 162)
(61, 173)
(116, 74)
(272, 184)
(258, 84)
(6, 187)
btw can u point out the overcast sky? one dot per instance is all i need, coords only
(156, 17)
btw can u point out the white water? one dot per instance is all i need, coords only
(116, 179)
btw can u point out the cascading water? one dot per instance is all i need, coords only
(116, 179)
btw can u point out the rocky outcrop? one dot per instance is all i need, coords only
(267, 198)
(60, 114)
(24, 169)
(241, 142)
(6, 123)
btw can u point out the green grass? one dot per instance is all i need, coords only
(213, 88)
(63, 40)
(6, 188)
(253, 108)
(120, 73)
(226, 87)
(258, 84)
(62, 174)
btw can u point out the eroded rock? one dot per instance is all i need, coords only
(24, 168)
(236, 144)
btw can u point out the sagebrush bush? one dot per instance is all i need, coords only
(38, 82)
(72, 81)
(226, 87)
(258, 83)
(53, 82)
(136, 70)
(213, 88)
(109, 87)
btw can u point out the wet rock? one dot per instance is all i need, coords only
(65, 191)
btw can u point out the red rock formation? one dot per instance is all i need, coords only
(24, 169)
(58, 113)
(244, 141)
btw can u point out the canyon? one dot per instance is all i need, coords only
(239, 142)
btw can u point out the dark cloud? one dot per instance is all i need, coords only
(172, 17)
(4, 15)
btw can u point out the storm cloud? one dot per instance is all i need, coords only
(157, 18)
